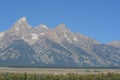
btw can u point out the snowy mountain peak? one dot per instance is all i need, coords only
(41, 29)
(41, 26)
(21, 24)
(22, 19)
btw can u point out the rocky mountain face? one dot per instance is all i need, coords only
(115, 44)
(23, 45)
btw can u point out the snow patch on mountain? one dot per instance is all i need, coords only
(34, 36)
(42, 33)
(44, 26)
(66, 37)
(17, 28)
(23, 38)
(1, 34)
(75, 39)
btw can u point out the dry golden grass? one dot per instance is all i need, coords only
(57, 71)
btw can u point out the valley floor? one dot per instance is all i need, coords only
(57, 71)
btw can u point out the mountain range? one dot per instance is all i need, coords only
(23, 45)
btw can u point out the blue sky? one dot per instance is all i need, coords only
(98, 19)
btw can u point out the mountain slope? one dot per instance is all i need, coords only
(17, 53)
(115, 44)
(24, 45)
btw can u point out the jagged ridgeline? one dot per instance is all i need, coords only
(22, 45)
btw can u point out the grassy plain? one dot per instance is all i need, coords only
(57, 71)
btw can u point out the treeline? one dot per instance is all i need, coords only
(13, 76)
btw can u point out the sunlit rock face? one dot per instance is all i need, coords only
(115, 43)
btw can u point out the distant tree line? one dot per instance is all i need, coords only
(69, 76)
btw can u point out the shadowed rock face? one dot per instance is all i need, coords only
(41, 46)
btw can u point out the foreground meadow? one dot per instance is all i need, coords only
(69, 76)
(58, 74)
